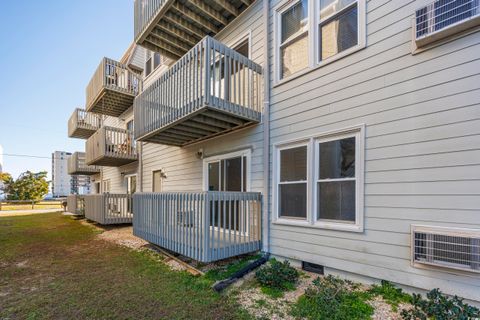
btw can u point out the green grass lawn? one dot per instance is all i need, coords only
(36, 206)
(52, 267)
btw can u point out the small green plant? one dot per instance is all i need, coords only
(277, 277)
(392, 295)
(335, 299)
(439, 307)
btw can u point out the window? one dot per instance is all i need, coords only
(294, 38)
(310, 33)
(319, 181)
(158, 177)
(153, 60)
(338, 27)
(106, 185)
(336, 180)
(130, 125)
(292, 186)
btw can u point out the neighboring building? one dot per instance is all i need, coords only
(353, 126)
(61, 181)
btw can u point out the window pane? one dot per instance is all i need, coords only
(337, 159)
(339, 34)
(294, 20)
(233, 174)
(156, 60)
(294, 56)
(329, 7)
(213, 176)
(336, 200)
(293, 164)
(148, 67)
(293, 200)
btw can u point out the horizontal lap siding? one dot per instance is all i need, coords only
(422, 157)
(182, 167)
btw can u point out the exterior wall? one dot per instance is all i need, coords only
(61, 181)
(422, 163)
(182, 167)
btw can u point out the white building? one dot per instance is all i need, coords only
(61, 185)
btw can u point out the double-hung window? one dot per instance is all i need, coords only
(311, 33)
(294, 38)
(319, 181)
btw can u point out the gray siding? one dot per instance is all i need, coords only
(183, 169)
(422, 156)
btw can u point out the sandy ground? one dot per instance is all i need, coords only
(13, 213)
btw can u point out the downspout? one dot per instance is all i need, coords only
(266, 130)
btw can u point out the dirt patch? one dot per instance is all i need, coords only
(123, 236)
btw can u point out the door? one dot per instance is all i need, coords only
(131, 182)
(229, 174)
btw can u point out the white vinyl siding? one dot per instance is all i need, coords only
(422, 161)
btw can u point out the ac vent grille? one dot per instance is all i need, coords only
(442, 14)
(452, 248)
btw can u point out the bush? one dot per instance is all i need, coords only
(335, 299)
(392, 295)
(278, 276)
(439, 307)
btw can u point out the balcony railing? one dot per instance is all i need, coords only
(77, 165)
(112, 88)
(172, 27)
(205, 226)
(83, 124)
(76, 204)
(211, 90)
(111, 147)
(109, 208)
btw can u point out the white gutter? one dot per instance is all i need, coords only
(266, 130)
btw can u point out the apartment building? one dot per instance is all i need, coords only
(61, 181)
(342, 134)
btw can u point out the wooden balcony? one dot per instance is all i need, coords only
(205, 226)
(112, 88)
(210, 91)
(77, 165)
(111, 147)
(108, 208)
(83, 124)
(172, 27)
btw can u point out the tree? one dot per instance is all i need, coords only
(28, 186)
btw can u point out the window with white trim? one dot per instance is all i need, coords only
(319, 181)
(294, 38)
(311, 33)
(292, 182)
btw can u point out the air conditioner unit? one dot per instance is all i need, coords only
(453, 248)
(443, 18)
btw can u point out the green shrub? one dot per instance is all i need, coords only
(439, 307)
(334, 299)
(392, 295)
(277, 277)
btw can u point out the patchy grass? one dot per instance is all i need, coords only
(392, 295)
(333, 298)
(53, 267)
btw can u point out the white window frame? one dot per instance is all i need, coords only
(242, 153)
(276, 185)
(279, 11)
(312, 172)
(127, 177)
(359, 160)
(313, 24)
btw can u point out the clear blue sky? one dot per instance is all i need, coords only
(49, 50)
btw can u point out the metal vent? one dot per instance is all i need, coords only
(453, 248)
(444, 14)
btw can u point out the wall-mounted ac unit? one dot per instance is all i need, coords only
(443, 18)
(454, 248)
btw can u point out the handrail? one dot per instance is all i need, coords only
(209, 74)
(144, 12)
(77, 165)
(112, 75)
